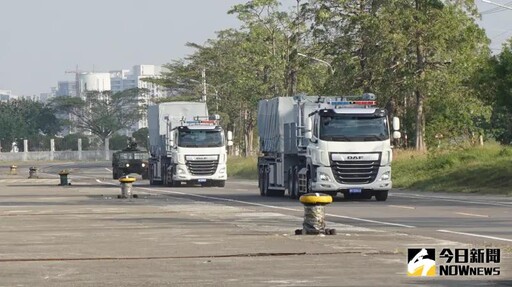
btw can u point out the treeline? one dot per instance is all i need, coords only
(426, 60)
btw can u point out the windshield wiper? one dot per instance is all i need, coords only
(340, 138)
(373, 137)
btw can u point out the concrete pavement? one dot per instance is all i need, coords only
(82, 235)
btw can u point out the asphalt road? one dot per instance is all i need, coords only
(82, 235)
(466, 218)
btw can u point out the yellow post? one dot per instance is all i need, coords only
(126, 187)
(314, 214)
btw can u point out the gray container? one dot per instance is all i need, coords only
(166, 116)
(282, 123)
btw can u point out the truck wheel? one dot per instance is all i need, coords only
(261, 180)
(295, 178)
(291, 191)
(221, 183)
(381, 195)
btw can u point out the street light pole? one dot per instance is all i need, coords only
(318, 60)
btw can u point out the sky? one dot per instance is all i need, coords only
(40, 40)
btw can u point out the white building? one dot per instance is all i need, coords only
(124, 79)
(7, 95)
(45, 97)
(94, 82)
(66, 89)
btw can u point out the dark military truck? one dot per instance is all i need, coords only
(130, 160)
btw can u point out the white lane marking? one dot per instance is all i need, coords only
(476, 235)
(109, 170)
(471, 214)
(402, 206)
(449, 199)
(272, 206)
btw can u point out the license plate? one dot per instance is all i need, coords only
(201, 180)
(354, 190)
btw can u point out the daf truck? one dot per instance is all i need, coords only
(186, 145)
(327, 145)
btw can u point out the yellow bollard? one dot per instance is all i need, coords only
(126, 187)
(13, 170)
(64, 178)
(314, 214)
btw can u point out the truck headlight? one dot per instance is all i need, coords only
(385, 176)
(323, 177)
(181, 171)
(127, 165)
(143, 165)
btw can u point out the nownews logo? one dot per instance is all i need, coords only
(456, 262)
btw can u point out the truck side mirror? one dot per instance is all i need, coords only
(397, 135)
(230, 143)
(230, 136)
(396, 123)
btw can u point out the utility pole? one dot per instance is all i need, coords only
(203, 75)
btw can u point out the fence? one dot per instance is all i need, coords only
(88, 155)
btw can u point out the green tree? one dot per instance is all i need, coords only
(27, 119)
(103, 113)
(141, 137)
(408, 52)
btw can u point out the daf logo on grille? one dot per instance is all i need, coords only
(354, 157)
(200, 157)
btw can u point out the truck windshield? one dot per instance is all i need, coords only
(200, 138)
(354, 128)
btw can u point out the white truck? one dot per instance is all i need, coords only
(327, 145)
(186, 145)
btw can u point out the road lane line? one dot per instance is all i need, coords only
(476, 235)
(472, 214)
(507, 204)
(274, 207)
(109, 170)
(402, 206)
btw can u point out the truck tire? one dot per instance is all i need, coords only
(263, 180)
(381, 195)
(221, 183)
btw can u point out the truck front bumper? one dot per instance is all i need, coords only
(327, 183)
(182, 174)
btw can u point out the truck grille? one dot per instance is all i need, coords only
(355, 172)
(202, 167)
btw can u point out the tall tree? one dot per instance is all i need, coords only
(103, 113)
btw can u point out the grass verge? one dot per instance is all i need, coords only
(485, 169)
(243, 167)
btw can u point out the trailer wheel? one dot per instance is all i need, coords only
(291, 185)
(263, 181)
(381, 195)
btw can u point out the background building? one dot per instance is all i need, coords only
(7, 95)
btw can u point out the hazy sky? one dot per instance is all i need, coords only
(40, 39)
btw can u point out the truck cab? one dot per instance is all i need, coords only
(349, 150)
(199, 153)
